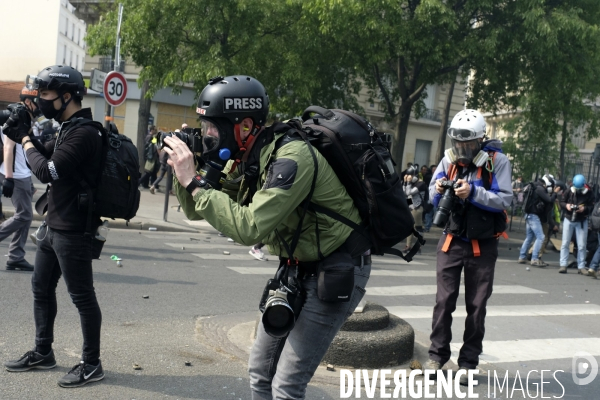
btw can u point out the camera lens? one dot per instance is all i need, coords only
(278, 318)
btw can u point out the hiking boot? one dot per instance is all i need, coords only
(522, 261)
(31, 360)
(432, 365)
(592, 273)
(22, 265)
(583, 272)
(538, 263)
(82, 374)
(562, 270)
(152, 190)
(257, 253)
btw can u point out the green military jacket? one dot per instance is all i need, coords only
(285, 180)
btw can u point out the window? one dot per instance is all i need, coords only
(372, 105)
(78, 34)
(71, 58)
(76, 61)
(72, 29)
(422, 151)
(64, 54)
(66, 26)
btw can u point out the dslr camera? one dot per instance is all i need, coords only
(281, 303)
(12, 115)
(446, 203)
(192, 137)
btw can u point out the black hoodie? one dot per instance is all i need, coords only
(78, 155)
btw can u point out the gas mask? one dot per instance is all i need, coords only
(466, 153)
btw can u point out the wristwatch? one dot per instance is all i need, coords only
(197, 182)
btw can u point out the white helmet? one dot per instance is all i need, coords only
(466, 128)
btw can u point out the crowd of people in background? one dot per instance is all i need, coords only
(547, 204)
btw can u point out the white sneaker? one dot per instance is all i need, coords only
(230, 240)
(257, 253)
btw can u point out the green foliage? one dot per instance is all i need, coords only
(184, 41)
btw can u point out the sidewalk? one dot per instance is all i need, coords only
(149, 215)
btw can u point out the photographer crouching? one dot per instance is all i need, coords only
(278, 170)
(472, 189)
(64, 241)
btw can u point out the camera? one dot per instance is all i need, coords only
(574, 212)
(281, 304)
(446, 204)
(7, 117)
(192, 137)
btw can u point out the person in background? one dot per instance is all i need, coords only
(414, 188)
(577, 203)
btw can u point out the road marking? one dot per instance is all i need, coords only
(247, 257)
(254, 270)
(198, 223)
(540, 310)
(270, 271)
(188, 245)
(513, 351)
(398, 261)
(420, 290)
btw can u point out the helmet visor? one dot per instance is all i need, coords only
(210, 136)
(462, 134)
(466, 150)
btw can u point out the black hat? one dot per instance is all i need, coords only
(234, 98)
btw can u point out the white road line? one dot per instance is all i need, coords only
(512, 351)
(198, 223)
(216, 246)
(540, 310)
(419, 290)
(397, 260)
(247, 257)
(270, 271)
(255, 270)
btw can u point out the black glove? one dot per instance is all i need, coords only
(8, 186)
(18, 124)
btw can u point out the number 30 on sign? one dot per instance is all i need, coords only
(115, 88)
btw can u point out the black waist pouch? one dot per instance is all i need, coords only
(479, 223)
(335, 277)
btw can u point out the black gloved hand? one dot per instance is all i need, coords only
(18, 124)
(8, 186)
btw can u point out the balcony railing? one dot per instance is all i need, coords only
(432, 115)
(106, 64)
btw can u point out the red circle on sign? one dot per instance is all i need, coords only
(115, 88)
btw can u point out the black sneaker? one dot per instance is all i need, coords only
(81, 374)
(31, 360)
(22, 265)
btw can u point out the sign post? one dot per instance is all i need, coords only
(110, 112)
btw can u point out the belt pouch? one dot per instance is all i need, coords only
(335, 278)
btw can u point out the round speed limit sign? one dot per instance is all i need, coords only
(115, 88)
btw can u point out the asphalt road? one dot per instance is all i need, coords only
(537, 320)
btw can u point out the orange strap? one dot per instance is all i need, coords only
(475, 244)
(451, 172)
(446, 245)
(478, 173)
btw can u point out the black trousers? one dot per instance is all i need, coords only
(479, 279)
(68, 254)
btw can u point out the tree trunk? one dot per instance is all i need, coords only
(143, 117)
(444, 126)
(563, 144)
(401, 121)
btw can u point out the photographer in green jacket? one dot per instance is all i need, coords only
(279, 170)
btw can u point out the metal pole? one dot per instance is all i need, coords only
(110, 113)
(169, 186)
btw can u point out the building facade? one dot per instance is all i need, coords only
(61, 41)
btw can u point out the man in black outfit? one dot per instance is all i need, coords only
(64, 246)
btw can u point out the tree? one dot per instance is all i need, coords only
(183, 41)
(549, 71)
(402, 46)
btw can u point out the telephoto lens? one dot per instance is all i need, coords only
(573, 212)
(445, 205)
(278, 317)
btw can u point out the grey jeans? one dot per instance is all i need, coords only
(18, 225)
(281, 368)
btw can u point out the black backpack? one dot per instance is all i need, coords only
(531, 201)
(360, 157)
(115, 193)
